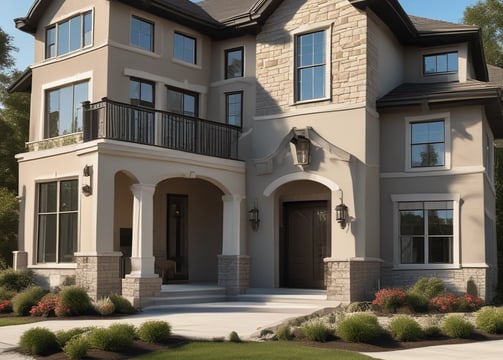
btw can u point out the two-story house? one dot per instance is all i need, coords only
(338, 145)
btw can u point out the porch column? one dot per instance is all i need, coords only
(233, 265)
(142, 259)
(142, 283)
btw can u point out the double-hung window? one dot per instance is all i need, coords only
(234, 63)
(142, 33)
(185, 48)
(234, 108)
(64, 109)
(428, 142)
(426, 230)
(310, 66)
(70, 35)
(443, 63)
(57, 221)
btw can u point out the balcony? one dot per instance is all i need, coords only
(113, 120)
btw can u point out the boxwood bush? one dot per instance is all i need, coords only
(154, 331)
(16, 280)
(122, 305)
(359, 327)
(317, 330)
(39, 341)
(428, 287)
(405, 328)
(76, 348)
(114, 338)
(23, 301)
(457, 327)
(76, 300)
(490, 319)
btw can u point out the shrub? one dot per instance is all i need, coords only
(469, 303)
(390, 299)
(234, 337)
(490, 319)
(46, 306)
(122, 305)
(457, 327)
(6, 294)
(104, 306)
(428, 287)
(5, 306)
(154, 332)
(63, 336)
(284, 333)
(16, 280)
(432, 331)
(76, 348)
(114, 338)
(360, 327)
(317, 331)
(39, 341)
(405, 328)
(76, 300)
(417, 302)
(446, 303)
(23, 302)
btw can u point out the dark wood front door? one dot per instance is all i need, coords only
(177, 240)
(304, 244)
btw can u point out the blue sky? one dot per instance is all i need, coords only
(448, 10)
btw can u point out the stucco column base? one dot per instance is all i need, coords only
(20, 260)
(140, 290)
(353, 280)
(99, 274)
(234, 273)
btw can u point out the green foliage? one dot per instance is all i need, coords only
(234, 337)
(63, 336)
(457, 327)
(6, 294)
(154, 331)
(104, 306)
(16, 280)
(359, 327)
(428, 287)
(117, 337)
(389, 300)
(405, 328)
(490, 319)
(76, 300)
(418, 302)
(25, 300)
(284, 333)
(317, 330)
(8, 220)
(76, 348)
(39, 341)
(122, 305)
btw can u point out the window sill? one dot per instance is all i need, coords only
(426, 267)
(427, 169)
(185, 63)
(310, 101)
(54, 266)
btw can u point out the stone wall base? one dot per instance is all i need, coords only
(99, 274)
(475, 281)
(234, 273)
(140, 291)
(349, 281)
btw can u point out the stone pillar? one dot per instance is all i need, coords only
(233, 267)
(142, 283)
(20, 260)
(352, 280)
(99, 273)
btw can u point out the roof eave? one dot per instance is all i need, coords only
(22, 83)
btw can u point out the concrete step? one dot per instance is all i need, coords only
(187, 294)
(300, 296)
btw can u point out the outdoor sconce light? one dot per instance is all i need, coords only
(253, 218)
(341, 214)
(302, 149)
(87, 172)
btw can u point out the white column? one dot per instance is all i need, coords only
(142, 259)
(232, 225)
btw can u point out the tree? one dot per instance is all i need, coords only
(488, 15)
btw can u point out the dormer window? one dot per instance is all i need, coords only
(70, 35)
(443, 63)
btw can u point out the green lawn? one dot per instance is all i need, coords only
(15, 320)
(251, 350)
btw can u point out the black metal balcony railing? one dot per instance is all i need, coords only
(109, 119)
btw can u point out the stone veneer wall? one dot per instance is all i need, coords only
(470, 280)
(275, 53)
(349, 281)
(139, 291)
(99, 274)
(234, 273)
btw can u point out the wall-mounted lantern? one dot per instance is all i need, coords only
(253, 218)
(86, 187)
(302, 149)
(341, 213)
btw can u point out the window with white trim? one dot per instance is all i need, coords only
(69, 35)
(57, 221)
(311, 66)
(426, 231)
(428, 142)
